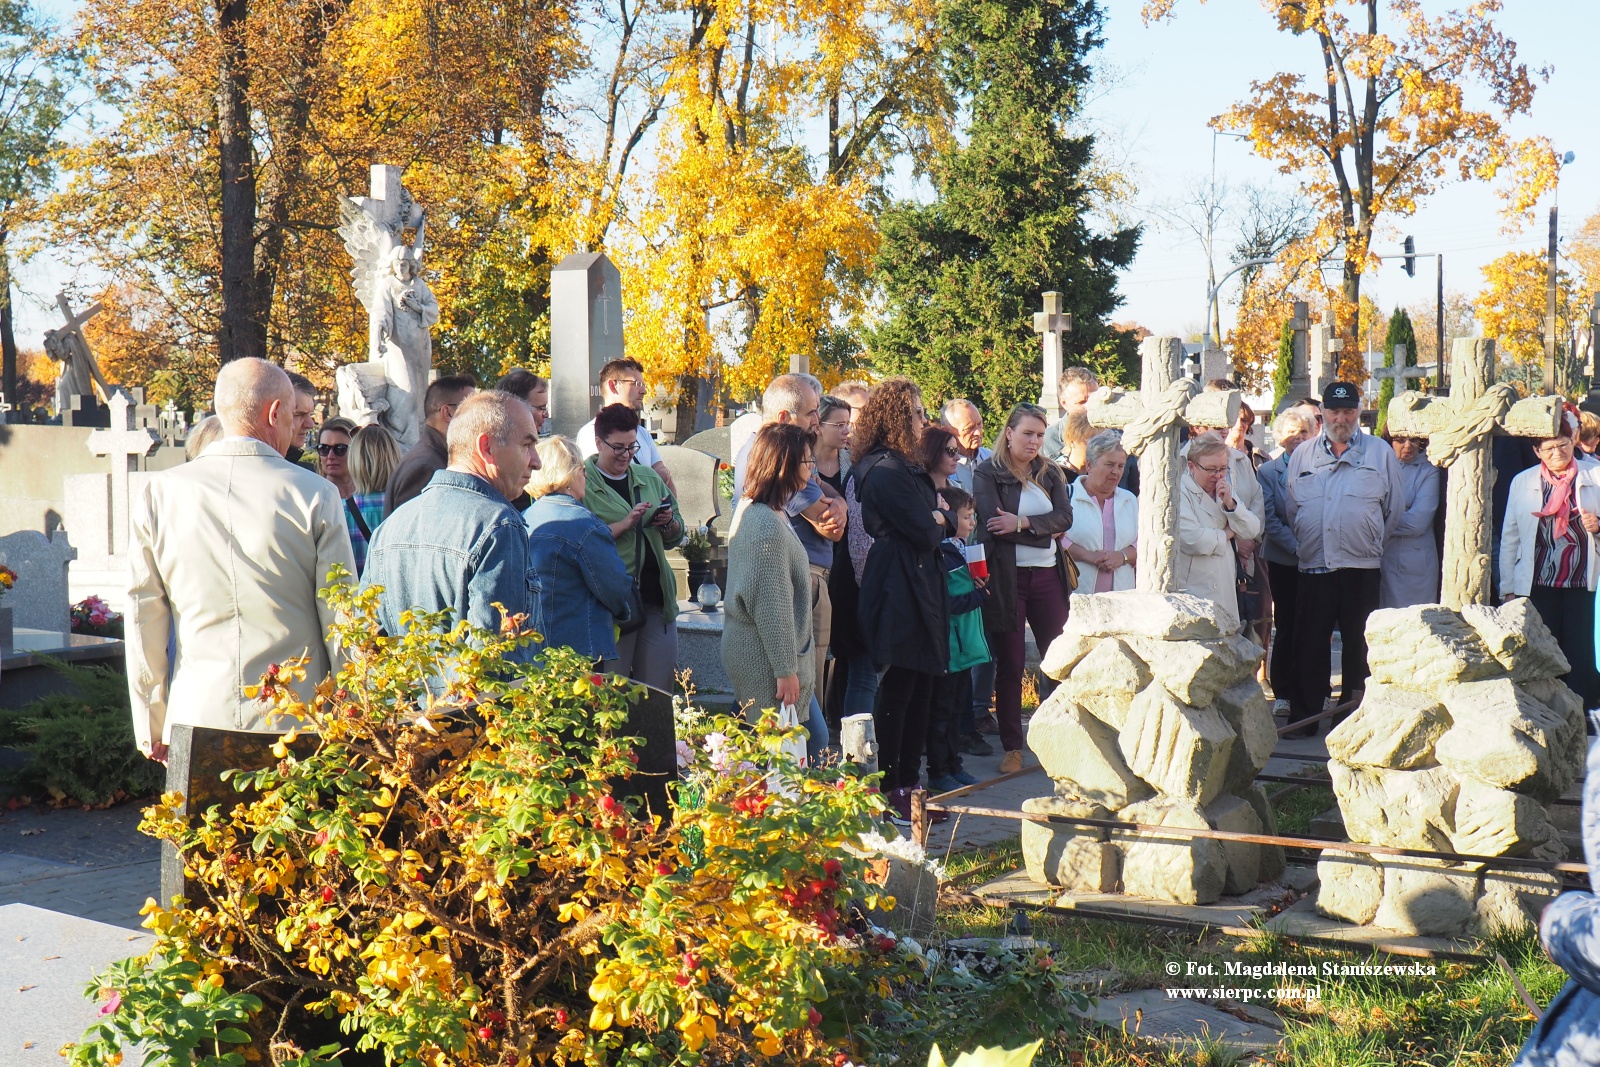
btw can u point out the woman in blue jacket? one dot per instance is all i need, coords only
(583, 585)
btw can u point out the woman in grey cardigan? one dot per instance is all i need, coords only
(766, 638)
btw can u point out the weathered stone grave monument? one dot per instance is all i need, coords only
(1159, 719)
(1464, 735)
(585, 335)
(401, 310)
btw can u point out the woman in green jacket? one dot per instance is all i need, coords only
(766, 639)
(633, 501)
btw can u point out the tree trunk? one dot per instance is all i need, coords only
(688, 407)
(241, 331)
(8, 338)
(1352, 367)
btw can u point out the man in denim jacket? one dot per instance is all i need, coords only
(459, 544)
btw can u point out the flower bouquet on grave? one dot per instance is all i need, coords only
(696, 547)
(94, 617)
(8, 578)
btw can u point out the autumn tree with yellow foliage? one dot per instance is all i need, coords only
(1386, 121)
(1511, 309)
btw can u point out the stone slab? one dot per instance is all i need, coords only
(1302, 923)
(1150, 1014)
(39, 599)
(46, 959)
(700, 647)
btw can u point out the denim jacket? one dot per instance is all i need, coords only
(583, 585)
(456, 545)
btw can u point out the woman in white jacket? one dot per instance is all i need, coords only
(1548, 550)
(1210, 518)
(1105, 519)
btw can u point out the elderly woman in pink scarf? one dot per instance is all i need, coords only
(1548, 549)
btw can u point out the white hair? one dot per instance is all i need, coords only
(952, 406)
(787, 393)
(245, 389)
(1291, 419)
(1102, 443)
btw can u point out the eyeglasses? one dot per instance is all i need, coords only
(1210, 470)
(332, 450)
(1554, 447)
(953, 453)
(809, 461)
(542, 409)
(622, 450)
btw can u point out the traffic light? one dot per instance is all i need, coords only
(1411, 257)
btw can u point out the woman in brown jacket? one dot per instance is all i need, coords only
(1024, 504)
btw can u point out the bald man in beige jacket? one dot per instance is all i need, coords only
(228, 552)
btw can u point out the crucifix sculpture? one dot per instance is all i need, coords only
(80, 373)
(124, 443)
(1151, 420)
(1051, 323)
(1458, 429)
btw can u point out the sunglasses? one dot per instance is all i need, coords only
(952, 453)
(332, 450)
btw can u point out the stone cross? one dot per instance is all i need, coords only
(1051, 323)
(1151, 421)
(1458, 428)
(125, 444)
(4, 409)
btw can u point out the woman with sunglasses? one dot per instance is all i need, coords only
(333, 455)
(940, 455)
(1023, 506)
(1548, 549)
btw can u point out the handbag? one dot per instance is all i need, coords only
(1071, 567)
(633, 615)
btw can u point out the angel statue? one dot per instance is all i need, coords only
(401, 309)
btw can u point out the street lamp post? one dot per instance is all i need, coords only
(1211, 216)
(1550, 281)
(1216, 287)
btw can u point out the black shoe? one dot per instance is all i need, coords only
(988, 724)
(975, 745)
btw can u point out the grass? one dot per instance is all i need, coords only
(1463, 1015)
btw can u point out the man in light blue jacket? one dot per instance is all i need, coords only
(1343, 498)
(459, 544)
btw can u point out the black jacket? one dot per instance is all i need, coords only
(904, 611)
(416, 469)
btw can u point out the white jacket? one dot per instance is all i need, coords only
(1088, 531)
(1205, 564)
(227, 554)
(1522, 526)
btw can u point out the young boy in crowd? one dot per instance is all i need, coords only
(968, 648)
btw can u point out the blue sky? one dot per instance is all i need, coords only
(1171, 78)
(1166, 81)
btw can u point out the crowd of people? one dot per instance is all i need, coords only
(880, 559)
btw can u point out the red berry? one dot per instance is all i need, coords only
(664, 868)
(561, 1016)
(609, 804)
(597, 679)
(681, 979)
(272, 670)
(497, 1017)
(422, 875)
(327, 894)
(485, 1032)
(840, 1059)
(691, 962)
(814, 1016)
(833, 868)
(321, 838)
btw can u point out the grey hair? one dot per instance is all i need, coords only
(785, 394)
(487, 411)
(559, 460)
(245, 389)
(1102, 443)
(1082, 375)
(955, 404)
(1301, 420)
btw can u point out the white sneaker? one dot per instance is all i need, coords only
(1280, 707)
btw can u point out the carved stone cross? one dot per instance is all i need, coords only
(1151, 421)
(124, 443)
(67, 343)
(1051, 323)
(1458, 429)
